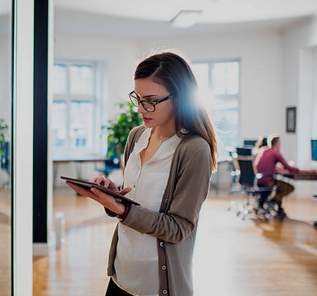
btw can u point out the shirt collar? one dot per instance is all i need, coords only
(166, 149)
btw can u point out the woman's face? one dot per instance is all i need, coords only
(164, 112)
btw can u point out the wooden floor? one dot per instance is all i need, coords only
(5, 241)
(232, 257)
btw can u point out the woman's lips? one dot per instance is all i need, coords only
(146, 119)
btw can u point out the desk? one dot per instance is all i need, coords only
(78, 160)
(300, 176)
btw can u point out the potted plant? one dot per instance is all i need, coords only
(118, 129)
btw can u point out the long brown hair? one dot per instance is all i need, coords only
(172, 71)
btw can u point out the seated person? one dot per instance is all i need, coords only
(265, 162)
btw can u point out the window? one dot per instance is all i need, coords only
(73, 108)
(219, 89)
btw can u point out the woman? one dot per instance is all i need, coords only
(168, 167)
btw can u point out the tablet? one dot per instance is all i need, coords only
(119, 197)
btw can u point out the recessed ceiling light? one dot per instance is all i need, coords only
(186, 18)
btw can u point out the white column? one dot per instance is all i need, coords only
(22, 147)
(305, 107)
(305, 189)
(50, 103)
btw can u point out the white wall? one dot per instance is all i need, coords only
(298, 90)
(261, 72)
(298, 44)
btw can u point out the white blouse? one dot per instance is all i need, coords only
(136, 262)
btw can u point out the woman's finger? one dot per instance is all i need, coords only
(100, 180)
(112, 185)
(125, 190)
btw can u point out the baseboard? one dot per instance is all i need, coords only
(40, 249)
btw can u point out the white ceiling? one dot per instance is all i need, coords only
(92, 24)
(149, 18)
(214, 11)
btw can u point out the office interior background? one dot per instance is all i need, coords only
(65, 66)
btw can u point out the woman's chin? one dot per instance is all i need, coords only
(148, 123)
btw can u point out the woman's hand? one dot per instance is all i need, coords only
(101, 197)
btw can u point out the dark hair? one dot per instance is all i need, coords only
(273, 140)
(261, 142)
(173, 72)
(264, 142)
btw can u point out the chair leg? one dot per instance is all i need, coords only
(243, 208)
(232, 204)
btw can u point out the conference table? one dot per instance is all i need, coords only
(300, 177)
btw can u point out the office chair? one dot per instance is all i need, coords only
(235, 173)
(233, 169)
(244, 151)
(249, 143)
(111, 162)
(248, 178)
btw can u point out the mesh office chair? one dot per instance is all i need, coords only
(244, 151)
(247, 180)
(111, 162)
(234, 171)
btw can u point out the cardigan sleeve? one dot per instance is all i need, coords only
(190, 191)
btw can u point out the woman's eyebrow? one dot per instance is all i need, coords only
(150, 96)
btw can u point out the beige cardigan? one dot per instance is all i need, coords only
(175, 224)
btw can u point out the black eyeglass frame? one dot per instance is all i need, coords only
(150, 102)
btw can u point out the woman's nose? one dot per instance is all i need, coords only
(141, 109)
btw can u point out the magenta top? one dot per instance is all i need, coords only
(265, 163)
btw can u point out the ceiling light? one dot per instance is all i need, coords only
(186, 18)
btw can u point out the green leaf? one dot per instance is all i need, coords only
(118, 130)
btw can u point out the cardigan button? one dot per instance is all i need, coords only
(161, 244)
(166, 200)
(164, 292)
(163, 267)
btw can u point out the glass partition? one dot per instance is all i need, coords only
(5, 147)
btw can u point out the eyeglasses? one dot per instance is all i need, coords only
(147, 105)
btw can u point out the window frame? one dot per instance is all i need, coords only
(68, 98)
(210, 63)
